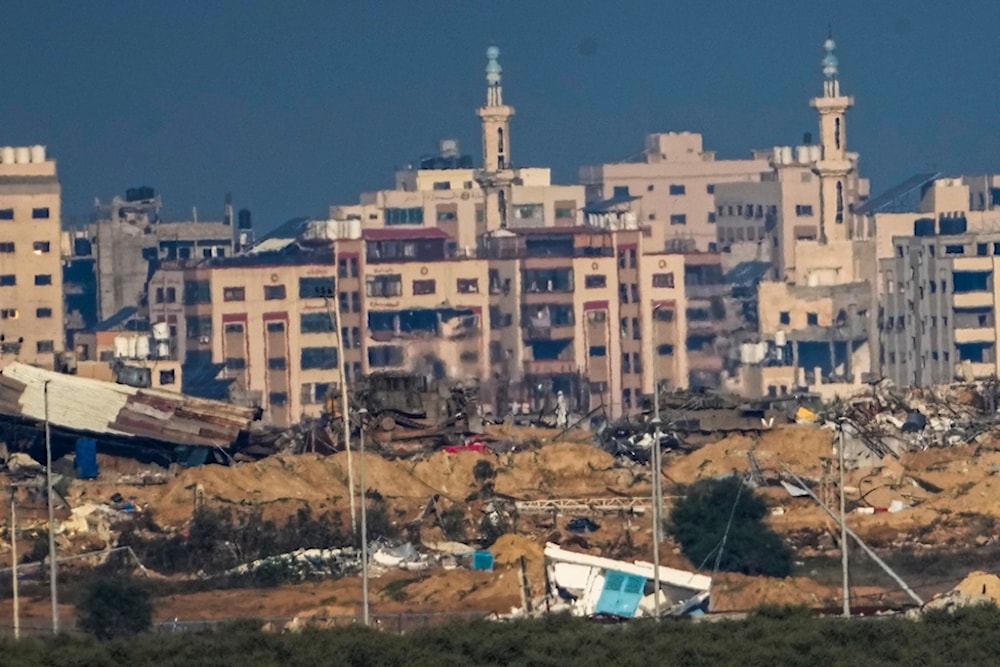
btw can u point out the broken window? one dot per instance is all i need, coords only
(421, 287)
(663, 279)
(385, 355)
(547, 280)
(384, 286)
(167, 377)
(199, 326)
(318, 358)
(197, 291)
(468, 285)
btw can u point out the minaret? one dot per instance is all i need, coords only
(834, 166)
(496, 175)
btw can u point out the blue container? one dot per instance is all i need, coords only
(482, 560)
(86, 458)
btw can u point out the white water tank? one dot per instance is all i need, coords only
(161, 331)
(786, 155)
(121, 347)
(131, 341)
(802, 154)
(780, 339)
(22, 154)
(815, 153)
(7, 155)
(142, 347)
(38, 153)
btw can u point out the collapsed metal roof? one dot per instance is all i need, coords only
(97, 407)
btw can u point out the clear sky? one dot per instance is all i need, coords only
(293, 106)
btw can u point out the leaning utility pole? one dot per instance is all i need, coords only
(52, 515)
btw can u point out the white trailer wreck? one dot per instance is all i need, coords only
(588, 585)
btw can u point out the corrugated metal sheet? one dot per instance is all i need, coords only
(93, 406)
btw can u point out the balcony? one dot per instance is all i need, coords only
(565, 332)
(549, 367)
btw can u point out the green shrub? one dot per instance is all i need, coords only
(701, 518)
(112, 608)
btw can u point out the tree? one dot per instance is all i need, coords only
(112, 608)
(713, 511)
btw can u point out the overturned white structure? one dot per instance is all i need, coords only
(586, 585)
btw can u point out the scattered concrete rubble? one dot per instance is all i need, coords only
(307, 563)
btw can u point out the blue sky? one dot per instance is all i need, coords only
(296, 106)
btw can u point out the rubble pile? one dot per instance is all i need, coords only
(306, 564)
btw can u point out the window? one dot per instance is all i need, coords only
(812, 319)
(233, 328)
(636, 362)
(168, 377)
(663, 279)
(677, 189)
(665, 350)
(318, 357)
(318, 287)
(236, 363)
(711, 217)
(442, 185)
(785, 317)
(598, 351)
(595, 280)
(40, 213)
(355, 302)
(710, 188)
(384, 286)
(635, 292)
(385, 355)
(7, 247)
(6, 214)
(424, 287)
(626, 362)
(274, 292)
(275, 327)
(649, 188)
(45, 345)
(804, 210)
(315, 323)
(42, 313)
(404, 216)
(954, 250)
(565, 213)
(43, 279)
(447, 213)
(469, 356)
(159, 295)
(468, 285)
(8, 313)
(636, 331)
(234, 294)
(678, 219)
(532, 212)
(199, 327)
(277, 363)
(170, 295)
(627, 398)
(278, 398)
(663, 315)
(197, 291)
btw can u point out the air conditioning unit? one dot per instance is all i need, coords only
(204, 340)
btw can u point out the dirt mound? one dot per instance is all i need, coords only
(450, 474)
(737, 592)
(799, 447)
(299, 480)
(564, 470)
(980, 583)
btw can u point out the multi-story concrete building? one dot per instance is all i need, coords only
(31, 295)
(129, 239)
(676, 179)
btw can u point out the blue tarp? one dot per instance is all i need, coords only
(86, 458)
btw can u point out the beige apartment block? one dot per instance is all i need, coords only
(262, 327)
(676, 180)
(31, 296)
(940, 301)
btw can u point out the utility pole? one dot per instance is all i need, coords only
(843, 525)
(657, 496)
(362, 413)
(344, 403)
(52, 515)
(13, 564)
